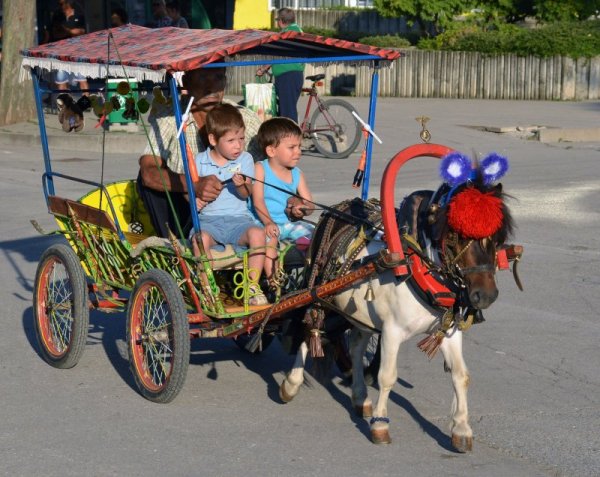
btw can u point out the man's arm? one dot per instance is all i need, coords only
(75, 31)
(156, 175)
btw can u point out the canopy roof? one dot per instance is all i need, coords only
(150, 53)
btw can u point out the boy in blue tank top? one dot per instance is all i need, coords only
(227, 220)
(280, 139)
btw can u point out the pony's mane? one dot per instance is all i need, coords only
(435, 216)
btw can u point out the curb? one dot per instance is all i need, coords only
(118, 143)
(569, 135)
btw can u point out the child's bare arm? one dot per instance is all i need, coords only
(258, 200)
(306, 207)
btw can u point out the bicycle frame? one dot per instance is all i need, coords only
(305, 126)
(312, 93)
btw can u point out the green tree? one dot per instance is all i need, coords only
(16, 99)
(543, 10)
(437, 13)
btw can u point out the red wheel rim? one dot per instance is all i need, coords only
(151, 339)
(55, 308)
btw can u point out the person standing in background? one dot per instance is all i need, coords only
(118, 17)
(174, 11)
(289, 78)
(67, 23)
(159, 12)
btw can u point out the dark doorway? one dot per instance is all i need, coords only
(219, 13)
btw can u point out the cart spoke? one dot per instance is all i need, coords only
(60, 307)
(155, 331)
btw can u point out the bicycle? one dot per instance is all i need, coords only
(333, 129)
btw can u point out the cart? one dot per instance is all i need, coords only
(112, 262)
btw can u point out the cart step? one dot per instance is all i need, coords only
(251, 308)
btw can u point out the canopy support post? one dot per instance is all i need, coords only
(182, 146)
(369, 146)
(37, 94)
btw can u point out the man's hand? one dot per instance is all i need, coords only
(262, 70)
(208, 188)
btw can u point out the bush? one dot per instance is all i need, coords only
(326, 32)
(574, 39)
(331, 33)
(385, 41)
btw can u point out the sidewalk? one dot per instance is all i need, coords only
(545, 121)
(27, 134)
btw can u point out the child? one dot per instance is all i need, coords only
(280, 139)
(227, 218)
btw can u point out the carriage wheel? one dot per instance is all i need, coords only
(158, 336)
(371, 359)
(60, 306)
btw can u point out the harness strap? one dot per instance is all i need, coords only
(486, 267)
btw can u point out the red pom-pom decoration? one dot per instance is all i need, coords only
(474, 214)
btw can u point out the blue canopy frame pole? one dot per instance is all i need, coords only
(37, 94)
(182, 146)
(371, 120)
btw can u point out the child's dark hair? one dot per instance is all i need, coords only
(272, 131)
(222, 119)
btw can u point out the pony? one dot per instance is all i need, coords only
(445, 278)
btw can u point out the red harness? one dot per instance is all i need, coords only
(430, 285)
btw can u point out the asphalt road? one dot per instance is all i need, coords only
(535, 385)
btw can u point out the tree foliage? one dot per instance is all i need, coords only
(437, 13)
(546, 11)
(442, 13)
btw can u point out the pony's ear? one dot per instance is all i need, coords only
(455, 168)
(498, 188)
(493, 167)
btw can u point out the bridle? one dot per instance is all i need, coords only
(450, 255)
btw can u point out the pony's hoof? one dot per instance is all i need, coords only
(462, 444)
(380, 436)
(283, 395)
(365, 410)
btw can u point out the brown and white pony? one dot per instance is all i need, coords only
(459, 246)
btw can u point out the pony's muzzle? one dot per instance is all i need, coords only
(482, 298)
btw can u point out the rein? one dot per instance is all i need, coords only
(332, 210)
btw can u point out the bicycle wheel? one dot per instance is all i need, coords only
(60, 307)
(158, 336)
(334, 130)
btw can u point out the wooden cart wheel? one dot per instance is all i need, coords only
(60, 306)
(158, 336)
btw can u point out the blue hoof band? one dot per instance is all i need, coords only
(379, 419)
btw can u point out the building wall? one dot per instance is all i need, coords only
(251, 14)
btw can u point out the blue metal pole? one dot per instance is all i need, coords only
(43, 135)
(372, 111)
(182, 146)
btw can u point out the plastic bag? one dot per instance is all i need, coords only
(261, 98)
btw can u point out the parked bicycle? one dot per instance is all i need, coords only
(333, 129)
